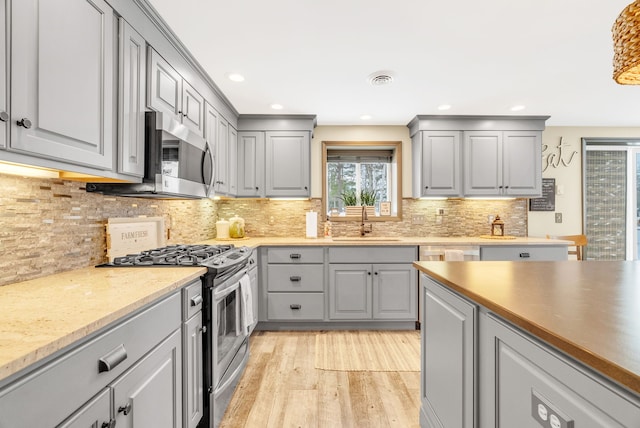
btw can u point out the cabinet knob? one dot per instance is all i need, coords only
(426, 187)
(24, 122)
(306, 188)
(4, 116)
(375, 273)
(257, 188)
(203, 329)
(125, 410)
(369, 273)
(110, 424)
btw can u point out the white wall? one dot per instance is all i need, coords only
(569, 177)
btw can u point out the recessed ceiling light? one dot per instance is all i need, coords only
(444, 107)
(235, 77)
(518, 108)
(276, 106)
(365, 117)
(380, 78)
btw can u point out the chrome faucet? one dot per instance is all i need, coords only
(368, 228)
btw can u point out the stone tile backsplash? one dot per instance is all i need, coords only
(50, 225)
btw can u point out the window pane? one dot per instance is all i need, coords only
(341, 178)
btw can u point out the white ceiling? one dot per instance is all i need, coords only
(481, 57)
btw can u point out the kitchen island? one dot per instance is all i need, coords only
(528, 344)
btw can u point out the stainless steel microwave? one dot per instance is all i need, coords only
(178, 163)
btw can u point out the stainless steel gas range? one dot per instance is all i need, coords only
(226, 318)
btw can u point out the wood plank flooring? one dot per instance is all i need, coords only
(281, 388)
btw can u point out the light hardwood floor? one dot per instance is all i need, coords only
(281, 388)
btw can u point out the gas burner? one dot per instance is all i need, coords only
(173, 255)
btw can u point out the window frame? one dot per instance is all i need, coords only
(396, 146)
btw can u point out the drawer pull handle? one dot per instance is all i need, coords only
(196, 300)
(524, 255)
(125, 409)
(295, 307)
(295, 278)
(295, 256)
(112, 359)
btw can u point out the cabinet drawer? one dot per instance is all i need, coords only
(524, 253)
(295, 306)
(191, 299)
(367, 254)
(528, 373)
(63, 385)
(295, 255)
(295, 278)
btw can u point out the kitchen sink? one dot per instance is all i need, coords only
(363, 239)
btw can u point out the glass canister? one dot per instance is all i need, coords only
(236, 227)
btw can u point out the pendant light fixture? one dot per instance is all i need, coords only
(626, 46)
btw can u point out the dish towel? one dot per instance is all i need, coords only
(453, 255)
(246, 309)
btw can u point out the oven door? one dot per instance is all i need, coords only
(227, 334)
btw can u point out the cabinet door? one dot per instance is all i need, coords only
(193, 388)
(211, 135)
(287, 164)
(165, 87)
(483, 163)
(448, 358)
(251, 164)
(440, 164)
(350, 291)
(150, 393)
(192, 109)
(62, 80)
(522, 163)
(4, 83)
(395, 292)
(222, 157)
(132, 101)
(232, 163)
(95, 414)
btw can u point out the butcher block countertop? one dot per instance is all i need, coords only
(42, 316)
(590, 309)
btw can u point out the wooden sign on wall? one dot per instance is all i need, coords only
(548, 200)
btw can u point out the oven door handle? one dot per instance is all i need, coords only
(220, 294)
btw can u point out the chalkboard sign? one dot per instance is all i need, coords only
(548, 200)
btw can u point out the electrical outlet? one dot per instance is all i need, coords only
(417, 219)
(440, 211)
(546, 415)
(558, 217)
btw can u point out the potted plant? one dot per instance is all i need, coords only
(368, 198)
(350, 201)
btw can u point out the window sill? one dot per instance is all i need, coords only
(358, 219)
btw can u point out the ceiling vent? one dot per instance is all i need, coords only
(380, 78)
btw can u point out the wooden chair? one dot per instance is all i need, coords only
(579, 241)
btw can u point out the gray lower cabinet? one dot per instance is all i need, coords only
(524, 253)
(95, 414)
(138, 360)
(447, 376)
(478, 370)
(62, 85)
(192, 362)
(150, 393)
(295, 284)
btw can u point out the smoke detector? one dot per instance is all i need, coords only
(380, 78)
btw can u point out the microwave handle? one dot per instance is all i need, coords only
(207, 181)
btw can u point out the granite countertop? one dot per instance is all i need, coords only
(385, 241)
(589, 309)
(42, 316)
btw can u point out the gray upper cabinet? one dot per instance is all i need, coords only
(223, 137)
(287, 164)
(62, 86)
(221, 183)
(501, 155)
(436, 163)
(169, 93)
(505, 163)
(4, 83)
(132, 101)
(251, 152)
